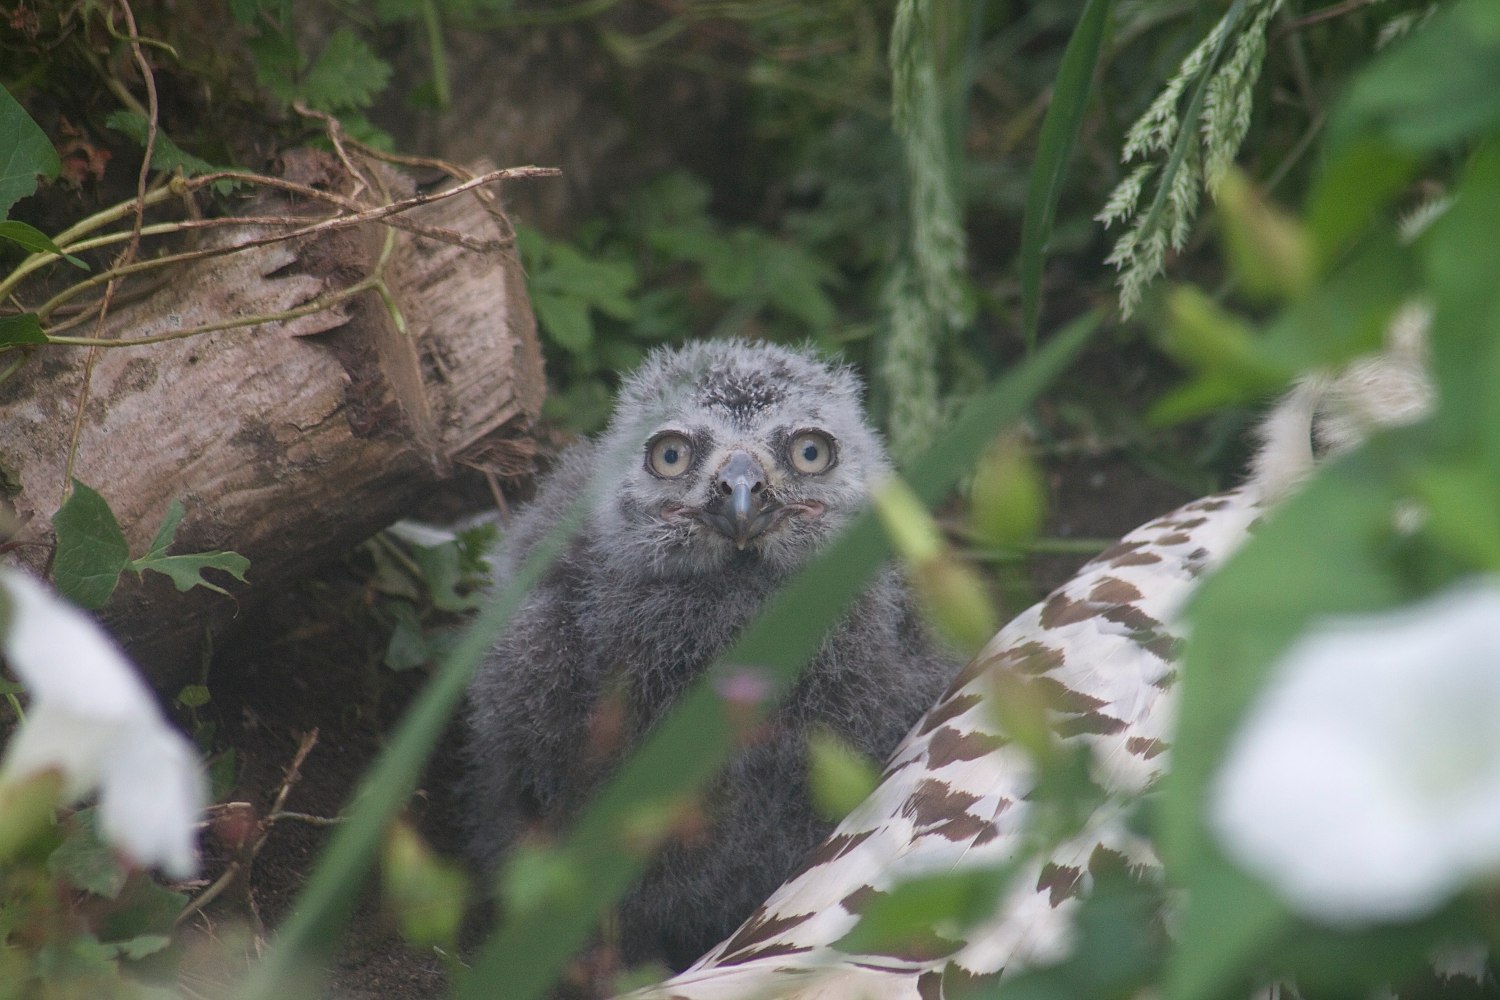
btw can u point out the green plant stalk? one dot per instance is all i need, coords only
(64, 239)
(432, 20)
(292, 965)
(688, 747)
(1059, 133)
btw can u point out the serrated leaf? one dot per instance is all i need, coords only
(23, 329)
(91, 549)
(165, 154)
(346, 74)
(25, 153)
(36, 241)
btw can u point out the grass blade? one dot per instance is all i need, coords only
(1070, 96)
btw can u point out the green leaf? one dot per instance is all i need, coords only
(194, 696)
(136, 948)
(1070, 97)
(443, 573)
(426, 894)
(35, 240)
(91, 549)
(839, 776)
(1436, 87)
(908, 913)
(25, 153)
(406, 648)
(565, 319)
(168, 530)
(25, 328)
(85, 860)
(346, 74)
(186, 571)
(166, 155)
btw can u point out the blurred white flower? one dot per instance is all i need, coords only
(1365, 783)
(93, 720)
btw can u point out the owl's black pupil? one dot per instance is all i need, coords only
(810, 453)
(669, 456)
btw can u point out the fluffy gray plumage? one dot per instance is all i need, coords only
(724, 468)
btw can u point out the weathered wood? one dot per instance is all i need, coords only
(287, 441)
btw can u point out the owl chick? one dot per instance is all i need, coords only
(724, 468)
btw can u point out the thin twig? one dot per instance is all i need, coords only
(131, 249)
(376, 214)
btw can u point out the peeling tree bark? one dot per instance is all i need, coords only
(287, 442)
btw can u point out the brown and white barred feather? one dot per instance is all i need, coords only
(1103, 650)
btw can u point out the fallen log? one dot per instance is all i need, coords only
(295, 438)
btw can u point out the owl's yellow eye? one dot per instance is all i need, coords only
(669, 455)
(810, 452)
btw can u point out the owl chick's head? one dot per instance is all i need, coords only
(729, 453)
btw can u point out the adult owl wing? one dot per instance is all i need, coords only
(1101, 651)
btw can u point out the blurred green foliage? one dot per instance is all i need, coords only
(869, 217)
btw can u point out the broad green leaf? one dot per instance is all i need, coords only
(1438, 86)
(35, 240)
(565, 319)
(425, 893)
(406, 648)
(443, 574)
(1059, 132)
(85, 860)
(906, 915)
(25, 153)
(1228, 923)
(91, 550)
(25, 328)
(839, 776)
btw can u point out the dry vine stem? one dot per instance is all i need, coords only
(379, 213)
(250, 847)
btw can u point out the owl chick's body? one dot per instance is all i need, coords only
(724, 468)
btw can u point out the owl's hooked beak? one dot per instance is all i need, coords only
(742, 510)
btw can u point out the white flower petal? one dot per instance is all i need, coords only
(152, 792)
(55, 739)
(1365, 784)
(94, 720)
(62, 656)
